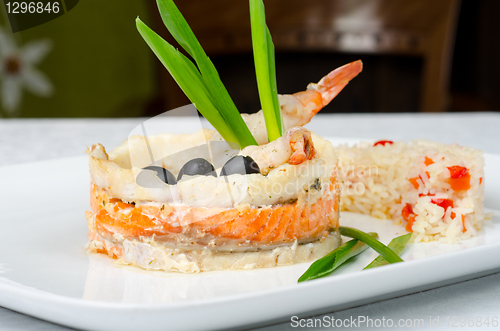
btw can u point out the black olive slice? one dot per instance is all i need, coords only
(162, 173)
(239, 164)
(195, 167)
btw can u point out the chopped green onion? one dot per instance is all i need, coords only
(383, 250)
(201, 82)
(187, 77)
(180, 30)
(327, 264)
(397, 245)
(263, 51)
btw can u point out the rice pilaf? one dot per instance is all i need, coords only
(435, 190)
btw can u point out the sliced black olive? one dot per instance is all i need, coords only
(195, 167)
(239, 164)
(162, 173)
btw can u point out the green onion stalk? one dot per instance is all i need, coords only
(200, 81)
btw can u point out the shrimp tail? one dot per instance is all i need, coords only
(331, 85)
(301, 145)
(299, 108)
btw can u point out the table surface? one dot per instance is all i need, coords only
(43, 139)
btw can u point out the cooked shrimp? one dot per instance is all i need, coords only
(294, 147)
(299, 108)
(302, 146)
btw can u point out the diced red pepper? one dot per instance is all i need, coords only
(383, 142)
(407, 210)
(480, 180)
(414, 182)
(460, 184)
(408, 216)
(444, 203)
(458, 171)
(409, 224)
(459, 178)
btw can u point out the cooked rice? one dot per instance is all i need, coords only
(377, 182)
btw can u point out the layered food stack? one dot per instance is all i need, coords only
(215, 221)
(274, 203)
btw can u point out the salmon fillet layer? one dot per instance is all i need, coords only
(288, 215)
(159, 236)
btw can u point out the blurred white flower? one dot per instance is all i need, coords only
(17, 70)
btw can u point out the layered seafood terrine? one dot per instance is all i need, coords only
(274, 203)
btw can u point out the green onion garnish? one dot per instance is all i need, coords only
(397, 245)
(263, 52)
(201, 82)
(327, 264)
(382, 249)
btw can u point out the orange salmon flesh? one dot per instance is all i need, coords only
(217, 228)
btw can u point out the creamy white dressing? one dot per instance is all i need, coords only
(151, 255)
(305, 182)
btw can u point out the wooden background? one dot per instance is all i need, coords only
(419, 55)
(408, 48)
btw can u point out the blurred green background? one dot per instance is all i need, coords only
(99, 65)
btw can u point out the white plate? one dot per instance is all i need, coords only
(45, 272)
